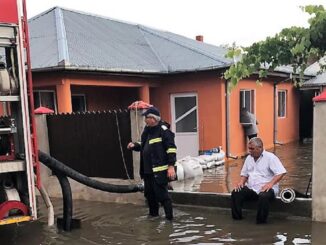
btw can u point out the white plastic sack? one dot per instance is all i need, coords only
(191, 168)
(180, 172)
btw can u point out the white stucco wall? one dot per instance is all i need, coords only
(319, 163)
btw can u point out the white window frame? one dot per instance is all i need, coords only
(283, 113)
(47, 91)
(175, 120)
(252, 100)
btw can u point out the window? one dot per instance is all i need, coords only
(282, 103)
(247, 99)
(45, 98)
(78, 102)
(186, 113)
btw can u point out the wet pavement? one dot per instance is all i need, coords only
(107, 223)
(296, 158)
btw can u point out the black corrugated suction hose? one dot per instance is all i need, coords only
(58, 166)
(67, 201)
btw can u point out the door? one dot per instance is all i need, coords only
(185, 123)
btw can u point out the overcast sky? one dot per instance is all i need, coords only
(219, 21)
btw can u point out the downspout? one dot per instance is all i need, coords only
(227, 122)
(275, 115)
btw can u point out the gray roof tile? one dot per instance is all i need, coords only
(43, 41)
(99, 43)
(319, 80)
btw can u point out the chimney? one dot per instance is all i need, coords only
(200, 38)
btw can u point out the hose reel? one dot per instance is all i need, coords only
(288, 195)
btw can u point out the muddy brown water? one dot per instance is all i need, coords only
(107, 223)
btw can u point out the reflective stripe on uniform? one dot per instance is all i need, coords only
(172, 150)
(155, 140)
(160, 168)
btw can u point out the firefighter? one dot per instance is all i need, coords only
(158, 156)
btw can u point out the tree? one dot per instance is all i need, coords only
(295, 46)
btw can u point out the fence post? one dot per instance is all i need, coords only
(319, 160)
(137, 125)
(43, 142)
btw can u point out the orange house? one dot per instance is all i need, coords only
(86, 62)
(275, 104)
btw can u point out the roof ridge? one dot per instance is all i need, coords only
(151, 47)
(147, 29)
(62, 42)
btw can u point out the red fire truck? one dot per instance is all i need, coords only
(19, 167)
(19, 157)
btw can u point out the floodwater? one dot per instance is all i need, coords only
(296, 158)
(107, 223)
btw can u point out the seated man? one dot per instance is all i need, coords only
(260, 175)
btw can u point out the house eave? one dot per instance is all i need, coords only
(124, 71)
(312, 86)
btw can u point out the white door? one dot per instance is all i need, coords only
(185, 123)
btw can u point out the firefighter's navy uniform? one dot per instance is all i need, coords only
(158, 152)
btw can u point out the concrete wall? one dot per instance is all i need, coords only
(79, 191)
(319, 163)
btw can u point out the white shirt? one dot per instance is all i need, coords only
(262, 171)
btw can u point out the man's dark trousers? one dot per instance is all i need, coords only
(246, 194)
(157, 193)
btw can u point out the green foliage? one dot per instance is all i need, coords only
(295, 46)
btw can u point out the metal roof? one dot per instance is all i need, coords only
(319, 80)
(68, 39)
(320, 77)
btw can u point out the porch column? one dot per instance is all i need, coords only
(137, 126)
(144, 93)
(64, 97)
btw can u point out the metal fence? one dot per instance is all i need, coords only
(93, 143)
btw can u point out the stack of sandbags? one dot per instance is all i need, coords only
(188, 167)
(211, 160)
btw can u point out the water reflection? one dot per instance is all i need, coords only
(296, 157)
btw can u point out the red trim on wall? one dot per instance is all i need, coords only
(8, 11)
(321, 97)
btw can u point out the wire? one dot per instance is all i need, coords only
(136, 119)
(119, 137)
